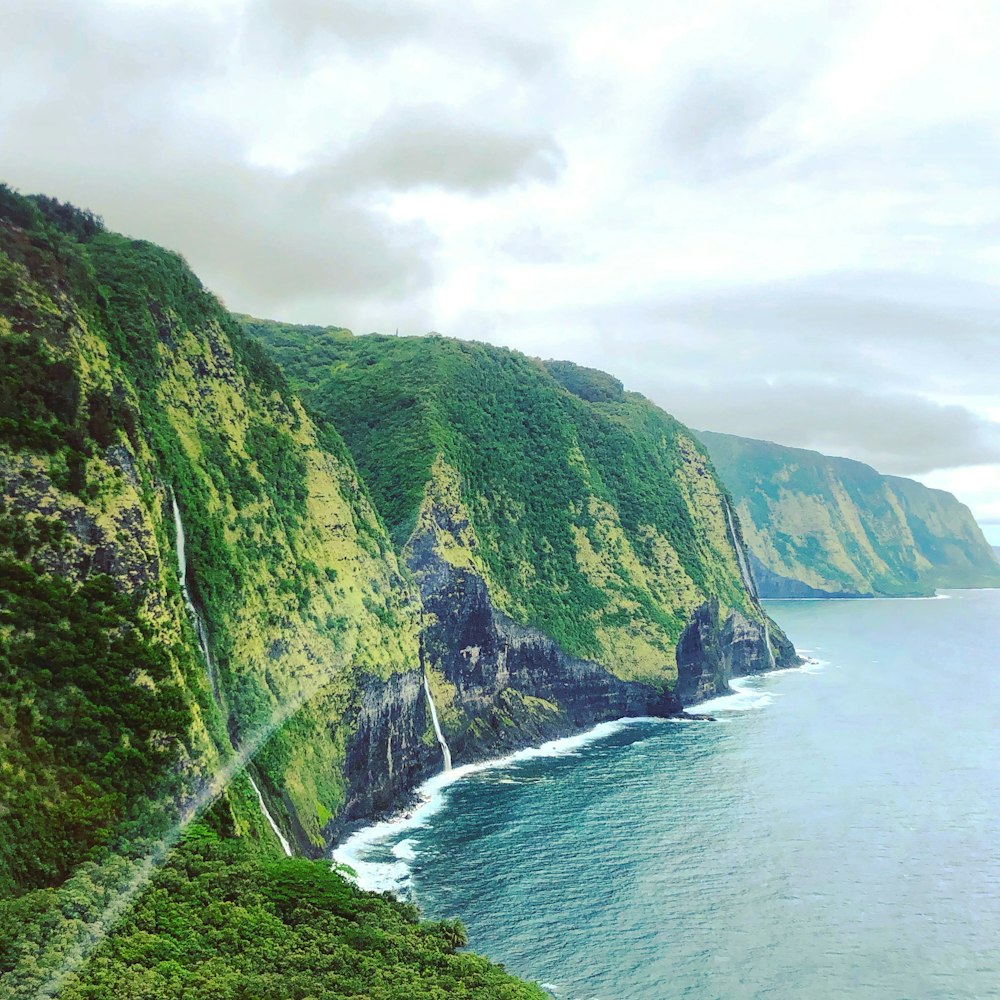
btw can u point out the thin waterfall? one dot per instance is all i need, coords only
(267, 815)
(196, 620)
(437, 726)
(202, 633)
(741, 559)
(767, 643)
(740, 555)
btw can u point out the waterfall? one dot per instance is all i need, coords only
(267, 815)
(741, 559)
(767, 643)
(202, 633)
(437, 726)
(196, 620)
(740, 555)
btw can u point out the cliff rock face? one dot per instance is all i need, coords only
(829, 527)
(387, 754)
(774, 585)
(545, 549)
(208, 597)
(126, 389)
(572, 545)
(711, 653)
(500, 685)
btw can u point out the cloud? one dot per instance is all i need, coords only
(715, 126)
(127, 112)
(367, 30)
(955, 153)
(740, 210)
(882, 329)
(364, 24)
(894, 432)
(532, 243)
(430, 146)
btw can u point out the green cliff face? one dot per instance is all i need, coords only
(547, 550)
(126, 388)
(819, 526)
(587, 513)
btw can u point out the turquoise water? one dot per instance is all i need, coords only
(835, 834)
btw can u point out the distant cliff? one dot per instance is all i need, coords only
(830, 527)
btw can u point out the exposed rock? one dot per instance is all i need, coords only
(512, 686)
(386, 755)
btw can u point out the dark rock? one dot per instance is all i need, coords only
(514, 686)
(386, 755)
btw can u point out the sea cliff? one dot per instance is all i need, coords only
(818, 526)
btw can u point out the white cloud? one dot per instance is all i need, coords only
(696, 194)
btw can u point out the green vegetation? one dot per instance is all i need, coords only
(218, 923)
(90, 723)
(125, 388)
(592, 515)
(122, 380)
(840, 527)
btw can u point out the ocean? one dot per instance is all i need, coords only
(835, 833)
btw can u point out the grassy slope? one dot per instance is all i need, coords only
(286, 556)
(120, 378)
(840, 526)
(595, 516)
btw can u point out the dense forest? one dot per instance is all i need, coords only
(219, 923)
(126, 388)
(594, 515)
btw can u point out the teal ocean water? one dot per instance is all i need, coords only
(836, 833)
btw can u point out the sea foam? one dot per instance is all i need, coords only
(394, 876)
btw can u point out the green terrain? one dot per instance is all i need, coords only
(592, 514)
(125, 385)
(239, 555)
(136, 413)
(837, 527)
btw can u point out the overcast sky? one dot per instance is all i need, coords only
(775, 219)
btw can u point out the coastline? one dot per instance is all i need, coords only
(415, 810)
(429, 797)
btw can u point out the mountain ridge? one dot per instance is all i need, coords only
(296, 645)
(822, 526)
(505, 473)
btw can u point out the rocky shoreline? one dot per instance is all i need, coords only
(519, 689)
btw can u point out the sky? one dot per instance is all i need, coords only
(776, 219)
